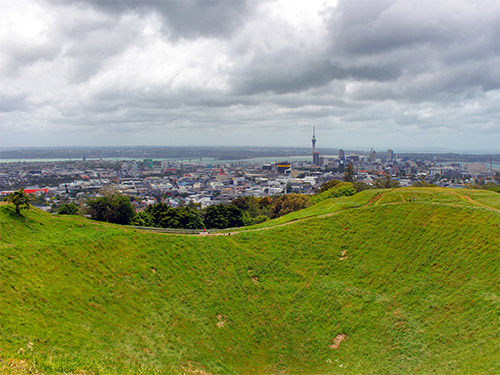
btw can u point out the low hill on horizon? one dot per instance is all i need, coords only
(383, 282)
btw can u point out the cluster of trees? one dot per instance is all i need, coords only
(113, 207)
(240, 212)
(161, 215)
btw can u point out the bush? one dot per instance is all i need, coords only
(342, 189)
(423, 183)
(328, 185)
(68, 209)
(260, 219)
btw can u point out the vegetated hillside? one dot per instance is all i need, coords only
(386, 282)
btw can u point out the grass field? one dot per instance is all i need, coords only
(383, 282)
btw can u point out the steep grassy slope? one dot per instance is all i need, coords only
(413, 284)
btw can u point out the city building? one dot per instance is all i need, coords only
(390, 156)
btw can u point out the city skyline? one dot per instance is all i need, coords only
(382, 74)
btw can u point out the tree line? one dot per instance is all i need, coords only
(113, 207)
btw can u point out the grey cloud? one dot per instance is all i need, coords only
(19, 56)
(186, 18)
(291, 73)
(404, 66)
(12, 102)
(95, 47)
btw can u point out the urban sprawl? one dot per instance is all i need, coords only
(175, 182)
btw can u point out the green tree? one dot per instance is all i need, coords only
(241, 203)
(164, 216)
(288, 203)
(112, 208)
(385, 182)
(253, 207)
(360, 186)
(215, 217)
(68, 209)
(20, 200)
(265, 202)
(234, 216)
(349, 175)
(221, 216)
(142, 219)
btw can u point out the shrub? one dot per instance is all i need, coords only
(68, 209)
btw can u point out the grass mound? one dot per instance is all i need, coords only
(383, 282)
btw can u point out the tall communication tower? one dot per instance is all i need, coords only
(315, 154)
(313, 140)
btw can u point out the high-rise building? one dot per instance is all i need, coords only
(341, 154)
(373, 156)
(390, 155)
(315, 154)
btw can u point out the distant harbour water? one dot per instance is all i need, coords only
(203, 160)
(206, 160)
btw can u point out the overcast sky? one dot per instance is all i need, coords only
(400, 74)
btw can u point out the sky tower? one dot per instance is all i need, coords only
(315, 154)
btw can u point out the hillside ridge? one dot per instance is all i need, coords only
(403, 283)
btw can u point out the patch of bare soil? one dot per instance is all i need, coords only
(192, 368)
(343, 255)
(17, 367)
(375, 198)
(338, 340)
(220, 322)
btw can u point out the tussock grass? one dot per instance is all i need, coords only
(410, 286)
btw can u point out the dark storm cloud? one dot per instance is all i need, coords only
(287, 75)
(185, 18)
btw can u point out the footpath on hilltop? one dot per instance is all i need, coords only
(382, 282)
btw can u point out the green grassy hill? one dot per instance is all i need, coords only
(384, 282)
